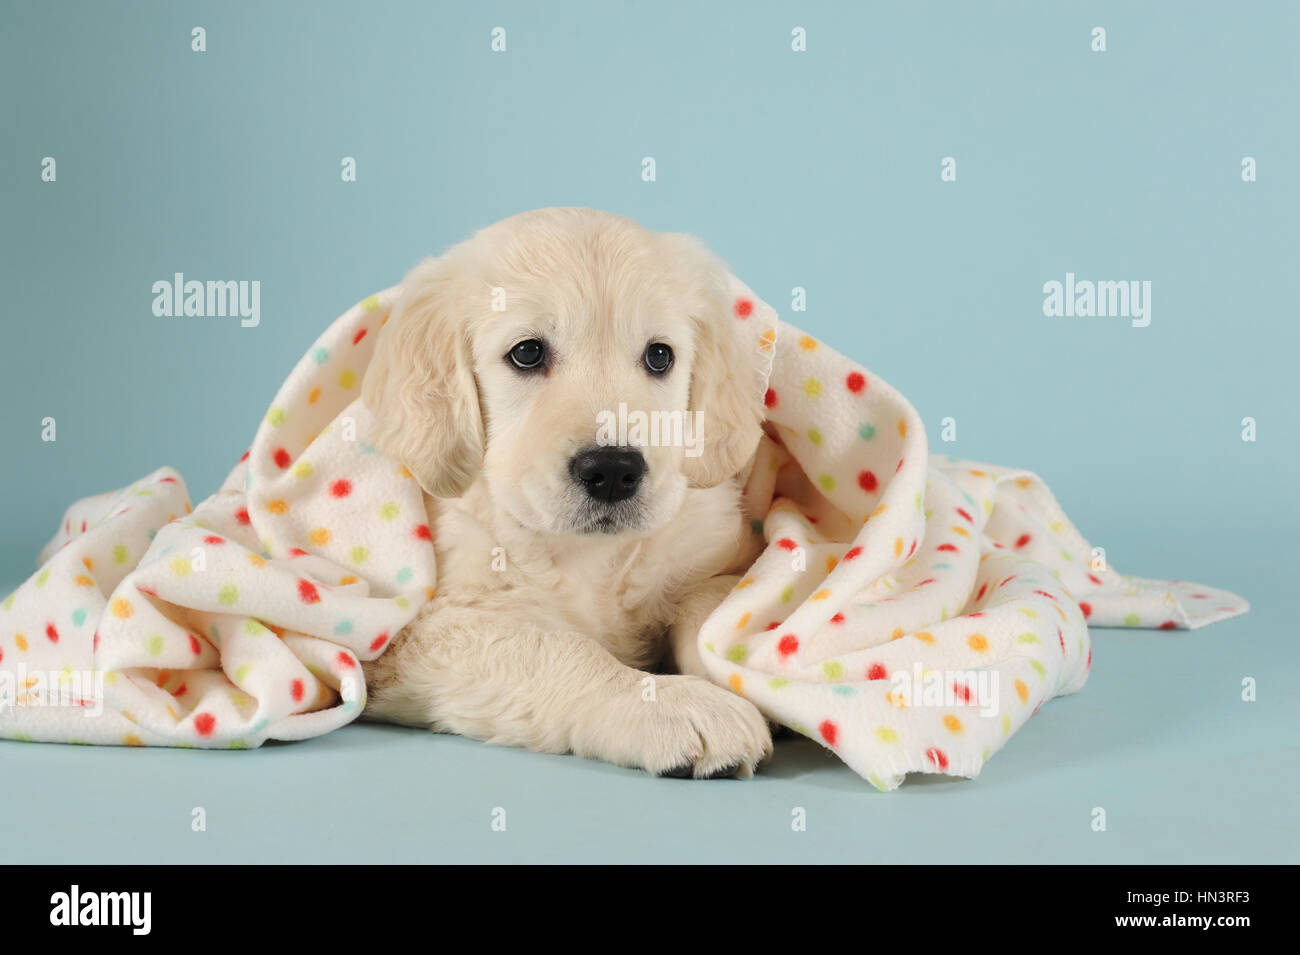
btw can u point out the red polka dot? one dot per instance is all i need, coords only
(204, 724)
(877, 672)
(345, 660)
(853, 553)
(241, 515)
(773, 625)
(855, 382)
(769, 398)
(947, 547)
(867, 481)
(341, 488)
(1169, 625)
(297, 552)
(962, 692)
(94, 644)
(378, 642)
(282, 459)
(51, 633)
(744, 307)
(969, 519)
(1096, 580)
(1086, 608)
(983, 588)
(296, 690)
(838, 618)
(1022, 540)
(830, 732)
(937, 757)
(243, 457)
(307, 592)
(358, 336)
(786, 543)
(213, 539)
(1061, 637)
(788, 645)
(423, 533)
(182, 689)
(195, 647)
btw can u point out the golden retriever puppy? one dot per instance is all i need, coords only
(569, 562)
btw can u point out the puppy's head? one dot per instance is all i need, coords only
(578, 364)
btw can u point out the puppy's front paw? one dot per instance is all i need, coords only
(694, 729)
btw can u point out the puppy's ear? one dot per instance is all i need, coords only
(420, 386)
(722, 375)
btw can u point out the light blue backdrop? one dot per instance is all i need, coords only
(818, 169)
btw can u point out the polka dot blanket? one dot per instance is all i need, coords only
(907, 612)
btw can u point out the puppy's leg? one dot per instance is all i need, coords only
(508, 682)
(695, 607)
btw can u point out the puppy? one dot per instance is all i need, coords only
(568, 565)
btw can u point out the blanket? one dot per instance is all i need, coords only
(906, 611)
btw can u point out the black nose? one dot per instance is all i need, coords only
(608, 474)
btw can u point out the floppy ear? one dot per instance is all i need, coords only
(722, 375)
(420, 385)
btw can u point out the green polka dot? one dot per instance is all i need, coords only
(1027, 638)
(78, 617)
(155, 644)
(228, 595)
(9, 601)
(866, 432)
(236, 744)
(1132, 620)
(814, 436)
(119, 554)
(826, 482)
(737, 653)
(778, 683)
(42, 577)
(402, 603)
(404, 575)
(181, 566)
(833, 669)
(343, 627)
(878, 783)
(320, 355)
(275, 417)
(254, 628)
(1038, 668)
(242, 672)
(788, 594)
(389, 511)
(371, 304)
(358, 555)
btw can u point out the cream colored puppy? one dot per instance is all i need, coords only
(567, 563)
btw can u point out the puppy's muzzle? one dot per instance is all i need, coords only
(608, 474)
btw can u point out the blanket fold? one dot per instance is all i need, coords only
(908, 612)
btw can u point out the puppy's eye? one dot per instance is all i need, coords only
(658, 358)
(528, 354)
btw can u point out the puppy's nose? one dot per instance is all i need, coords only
(608, 474)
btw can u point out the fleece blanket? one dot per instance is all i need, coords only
(908, 612)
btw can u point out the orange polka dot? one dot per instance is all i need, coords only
(977, 642)
(734, 682)
(831, 563)
(744, 619)
(898, 547)
(924, 636)
(320, 536)
(953, 724)
(1022, 691)
(122, 608)
(897, 634)
(21, 641)
(278, 506)
(348, 579)
(748, 581)
(257, 560)
(807, 343)
(90, 564)
(130, 739)
(84, 581)
(821, 595)
(902, 428)
(314, 396)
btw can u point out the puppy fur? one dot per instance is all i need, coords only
(551, 605)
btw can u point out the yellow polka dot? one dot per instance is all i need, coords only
(831, 563)
(744, 619)
(371, 304)
(257, 560)
(960, 531)
(977, 642)
(130, 739)
(897, 698)
(807, 344)
(1022, 691)
(348, 378)
(747, 582)
(320, 536)
(275, 417)
(734, 682)
(347, 580)
(21, 641)
(880, 510)
(181, 566)
(953, 724)
(122, 608)
(898, 547)
(84, 581)
(924, 636)
(821, 595)
(902, 428)
(767, 339)
(886, 735)
(812, 387)
(897, 634)
(278, 506)
(303, 469)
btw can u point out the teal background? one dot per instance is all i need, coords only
(817, 169)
